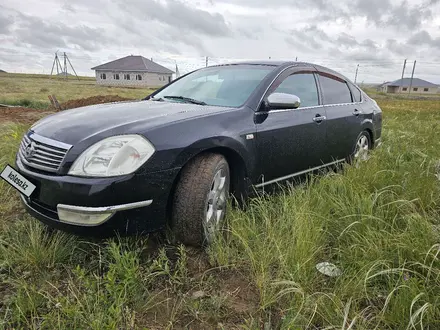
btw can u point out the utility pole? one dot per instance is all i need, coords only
(403, 73)
(53, 65)
(72, 68)
(356, 75)
(56, 61)
(60, 67)
(65, 65)
(412, 76)
(296, 59)
(206, 61)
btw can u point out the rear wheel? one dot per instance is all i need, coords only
(362, 147)
(199, 204)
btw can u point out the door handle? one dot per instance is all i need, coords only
(356, 112)
(319, 119)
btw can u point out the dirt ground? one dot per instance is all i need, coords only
(90, 101)
(22, 115)
(29, 115)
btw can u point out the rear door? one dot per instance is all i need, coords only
(292, 140)
(344, 115)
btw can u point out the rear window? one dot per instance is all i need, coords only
(355, 92)
(334, 90)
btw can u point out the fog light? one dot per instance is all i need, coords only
(92, 216)
(82, 218)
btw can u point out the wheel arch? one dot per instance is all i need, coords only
(367, 126)
(238, 169)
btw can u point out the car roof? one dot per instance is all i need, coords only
(280, 64)
(265, 62)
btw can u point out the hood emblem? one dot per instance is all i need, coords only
(30, 150)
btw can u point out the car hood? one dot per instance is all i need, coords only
(75, 125)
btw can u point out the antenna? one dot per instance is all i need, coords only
(60, 67)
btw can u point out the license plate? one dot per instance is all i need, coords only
(17, 181)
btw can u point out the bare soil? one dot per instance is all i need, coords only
(22, 115)
(91, 100)
(29, 115)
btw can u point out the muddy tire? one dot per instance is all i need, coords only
(200, 199)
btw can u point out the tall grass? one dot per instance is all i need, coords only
(378, 221)
(10, 137)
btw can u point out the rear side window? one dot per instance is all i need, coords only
(334, 90)
(355, 92)
(302, 85)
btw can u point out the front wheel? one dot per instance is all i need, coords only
(200, 199)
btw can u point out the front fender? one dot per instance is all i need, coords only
(244, 150)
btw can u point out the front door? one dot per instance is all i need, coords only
(292, 140)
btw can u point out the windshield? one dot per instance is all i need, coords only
(223, 86)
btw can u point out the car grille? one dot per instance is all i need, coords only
(42, 153)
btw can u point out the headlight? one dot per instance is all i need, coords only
(113, 156)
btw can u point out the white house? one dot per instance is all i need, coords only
(132, 71)
(418, 86)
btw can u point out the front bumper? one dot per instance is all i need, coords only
(127, 204)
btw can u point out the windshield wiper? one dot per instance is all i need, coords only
(186, 99)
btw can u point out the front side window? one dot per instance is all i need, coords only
(415, 89)
(228, 85)
(138, 77)
(116, 76)
(302, 85)
(334, 90)
(127, 76)
(404, 89)
(426, 89)
(103, 76)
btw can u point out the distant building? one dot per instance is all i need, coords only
(418, 86)
(380, 87)
(132, 71)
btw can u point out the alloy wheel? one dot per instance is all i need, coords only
(216, 204)
(362, 148)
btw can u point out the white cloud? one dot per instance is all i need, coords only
(377, 34)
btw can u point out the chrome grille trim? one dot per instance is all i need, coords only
(56, 152)
(48, 154)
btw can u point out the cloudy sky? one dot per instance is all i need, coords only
(376, 34)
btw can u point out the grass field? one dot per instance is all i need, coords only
(378, 221)
(32, 90)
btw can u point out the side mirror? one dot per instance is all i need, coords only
(283, 101)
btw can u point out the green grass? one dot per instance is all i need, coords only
(25, 103)
(379, 221)
(33, 90)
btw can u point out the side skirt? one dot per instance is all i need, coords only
(297, 173)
